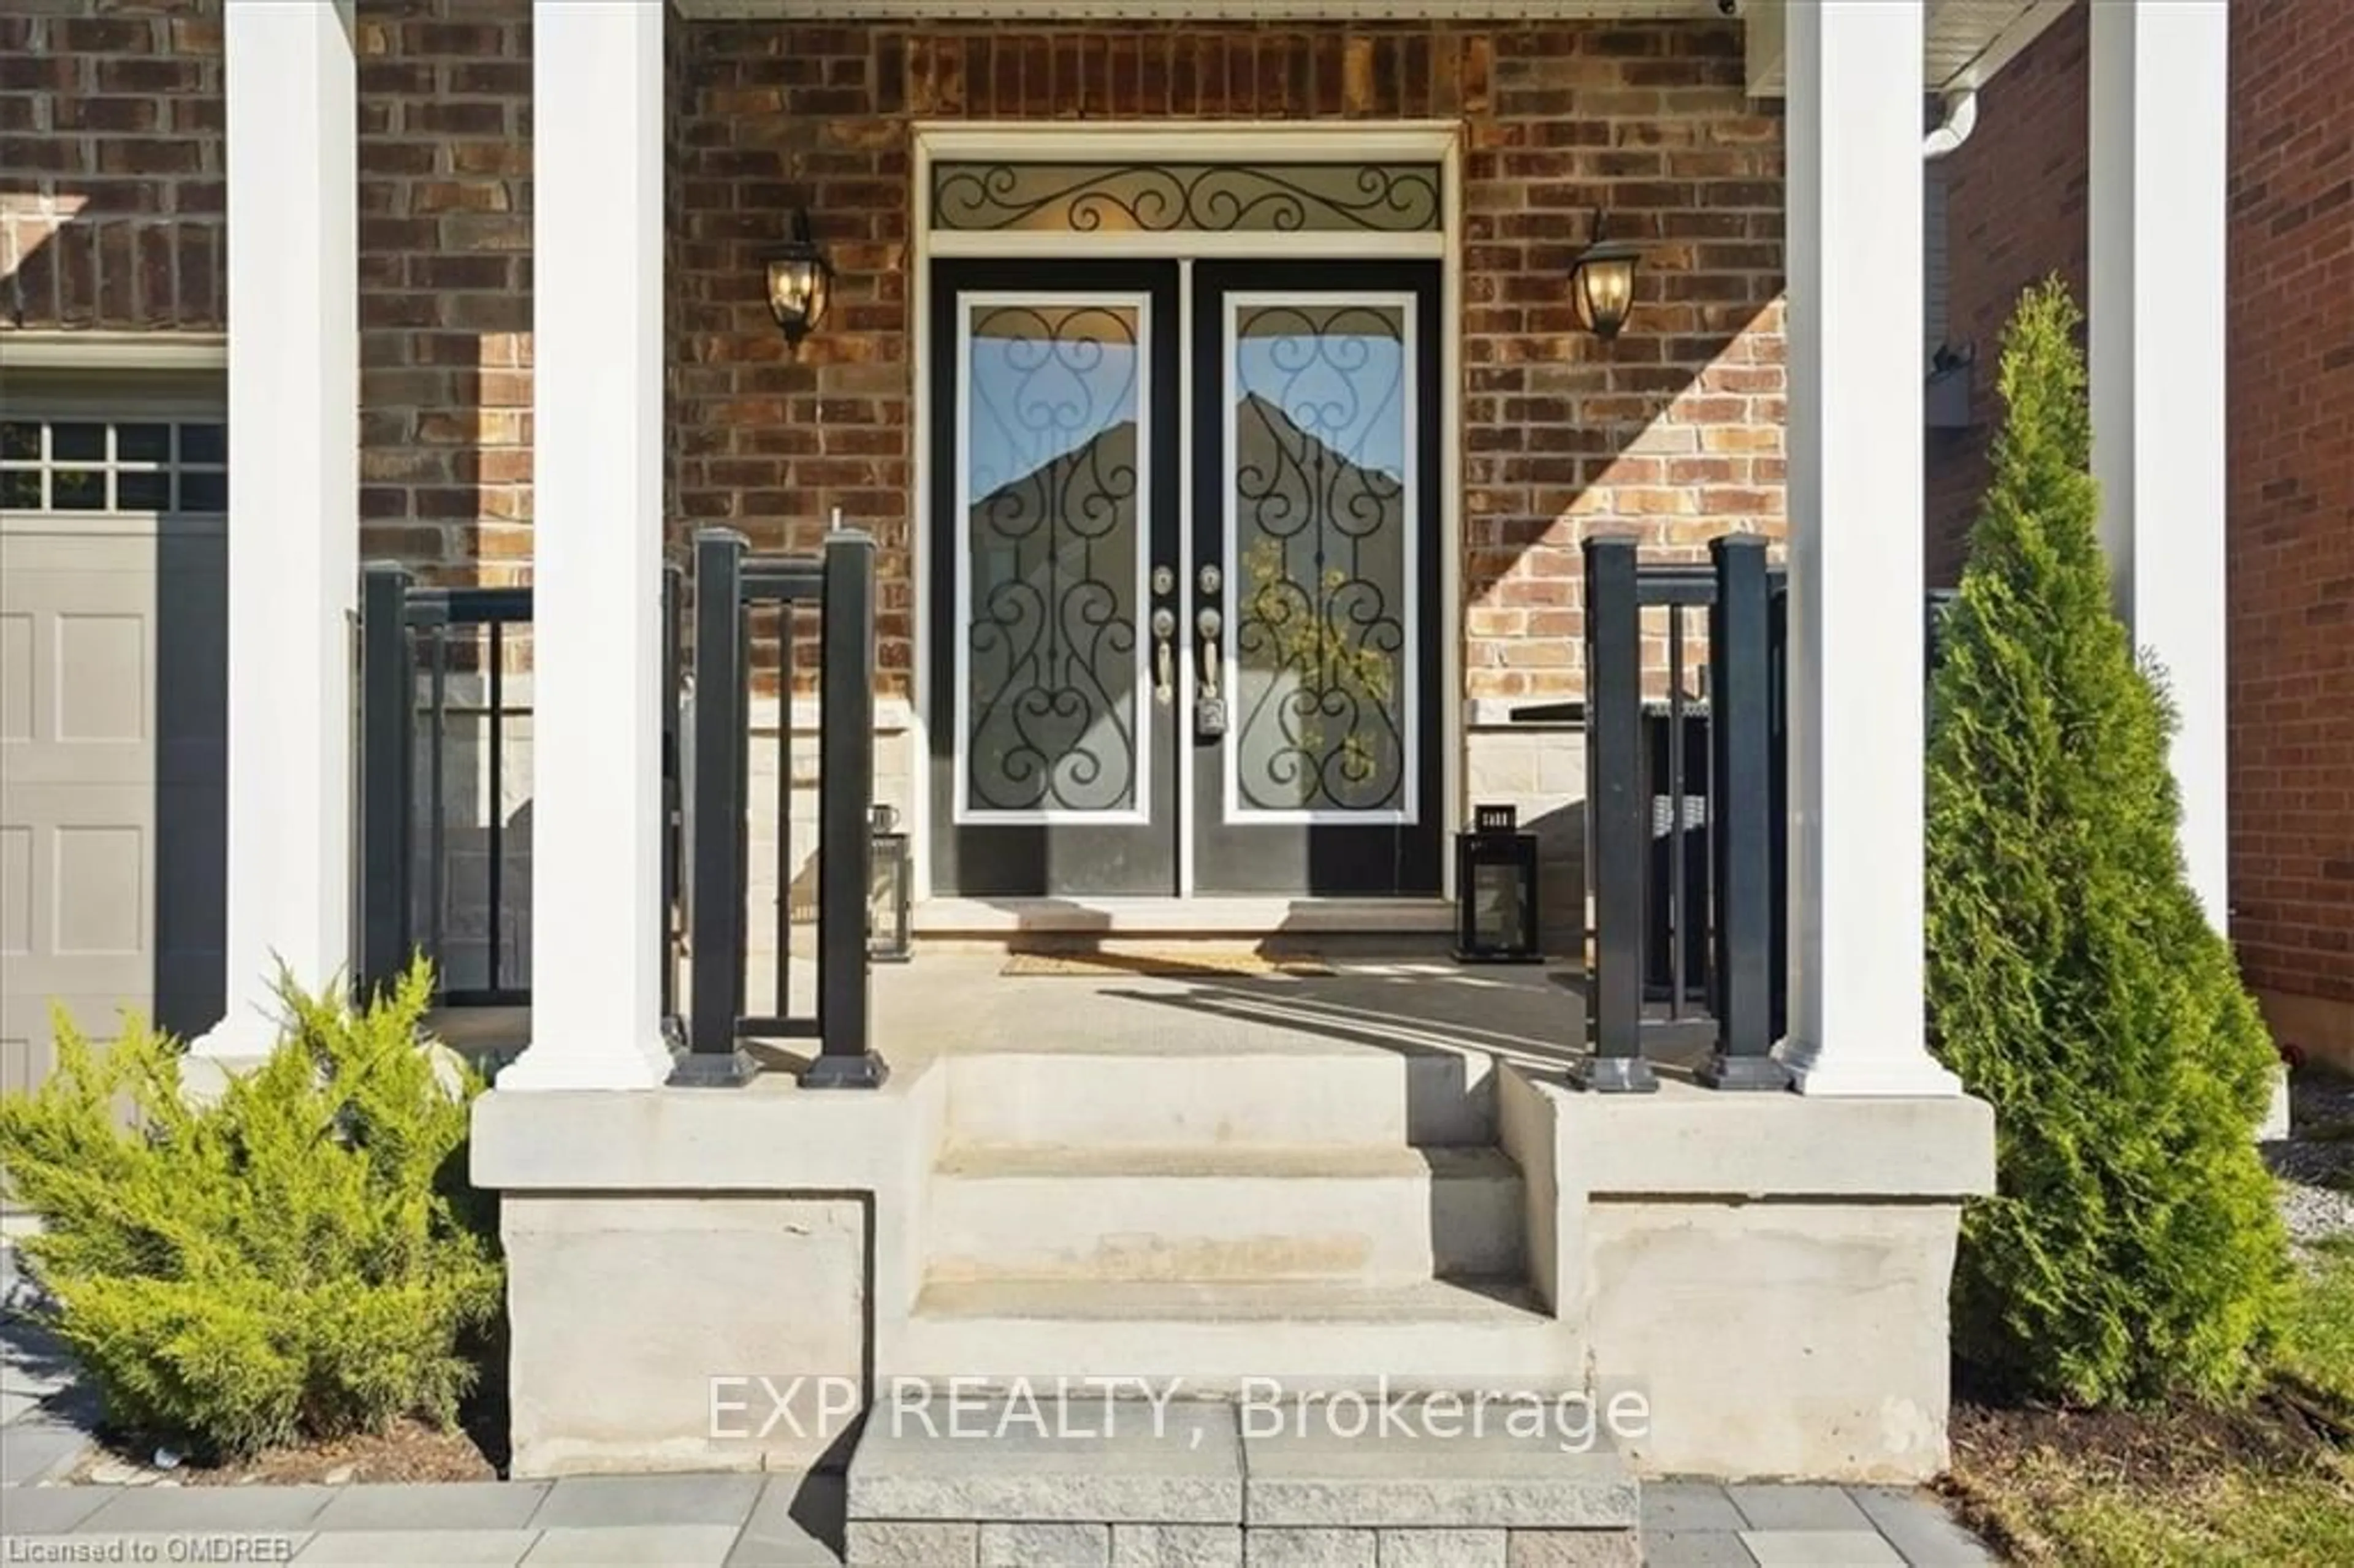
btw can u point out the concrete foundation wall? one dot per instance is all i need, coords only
(642, 1321)
(1777, 1339)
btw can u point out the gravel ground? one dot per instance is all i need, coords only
(2315, 1161)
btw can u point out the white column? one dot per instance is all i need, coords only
(596, 538)
(1855, 557)
(2160, 125)
(293, 505)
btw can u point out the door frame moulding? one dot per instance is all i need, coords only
(1438, 142)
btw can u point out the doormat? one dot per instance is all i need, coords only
(1177, 963)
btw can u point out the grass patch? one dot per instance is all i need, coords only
(2267, 1484)
(2318, 1355)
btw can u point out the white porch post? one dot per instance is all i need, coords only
(2160, 124)
(293, 505)
(597, 403)
(1856, 1023)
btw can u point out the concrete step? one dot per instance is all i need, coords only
(1167, 1095)
(1369, 1213)
(1427, 1335)
(1064, 1476)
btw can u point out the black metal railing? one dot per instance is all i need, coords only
(1685, 834)
(413, 639)
(730, 584)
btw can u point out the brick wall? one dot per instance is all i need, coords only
(110, 176)
(445, 285)
(112, 203)
(1674, 430)
(2291, 512)
(2015, 213)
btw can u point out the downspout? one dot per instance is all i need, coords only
(1961, 119)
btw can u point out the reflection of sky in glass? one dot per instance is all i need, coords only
(1357, 413)
(1034, 401)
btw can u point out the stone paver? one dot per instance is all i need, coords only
(1695, 1549)
(1675, 1506)
(1441, 1549)
(1176, 1546)
(50, 1511)
(440, 1505)
(280, 1508)
(797, 1523)
(612, 1501)
(422, 1548)
(1045, 1545)
(1181, 1465)
(36, 1446)
(1822, 1549)
(1918, 1526)
(650, 1545)
(1798, 1508)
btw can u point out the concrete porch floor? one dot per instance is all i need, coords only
(952, 1000)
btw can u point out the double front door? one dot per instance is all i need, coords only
(1183, 577)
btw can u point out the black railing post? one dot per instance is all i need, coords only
(387, 715)
(846, 1058)
(1741, 818)
(721, 708)
(1618, 822)
(674, 801)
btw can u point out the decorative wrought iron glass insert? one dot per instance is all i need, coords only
(71, 464)
(1189, 198)
(1321, 530)
(1051, 460)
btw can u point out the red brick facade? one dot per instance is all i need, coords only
(113, 125)
(2015, 213)
(112, 194)
(2018, 212)
(1675, 429)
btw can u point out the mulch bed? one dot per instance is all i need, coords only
(2174, 1448)
(409, 1451)
(2275, 1434)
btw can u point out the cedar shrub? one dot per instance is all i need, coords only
(2131, 1250)
(299, 1257)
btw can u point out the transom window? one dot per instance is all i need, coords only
(1112, 197)
(73, 463)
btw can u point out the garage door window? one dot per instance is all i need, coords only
(113, 465)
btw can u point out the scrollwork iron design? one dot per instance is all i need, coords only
(1052, 544)
(1168, 198)
(1321, 431)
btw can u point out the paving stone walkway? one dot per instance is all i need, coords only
(755, 1522)
(710, 1520)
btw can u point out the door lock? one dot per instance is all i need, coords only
(1210, 704)
(1164, 631)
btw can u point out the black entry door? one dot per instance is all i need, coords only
(1315, 571)
(1054, 576)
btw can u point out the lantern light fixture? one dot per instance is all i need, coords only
(800, 282)
(1496, 891)
(1602, 282)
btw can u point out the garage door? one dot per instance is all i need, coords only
(113, 658)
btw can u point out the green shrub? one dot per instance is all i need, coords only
(298, 1257)
(2132, 1250)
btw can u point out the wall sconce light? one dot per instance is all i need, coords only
(1602, 282)
(800, 282)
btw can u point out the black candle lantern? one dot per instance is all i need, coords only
(890, 936)
(1496, 890)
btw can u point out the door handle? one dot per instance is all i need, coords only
(1164, 631)
(1209, 623)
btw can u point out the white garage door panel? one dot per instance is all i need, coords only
(113, 674)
